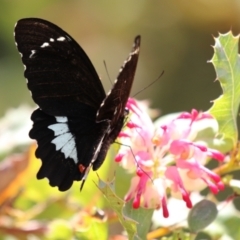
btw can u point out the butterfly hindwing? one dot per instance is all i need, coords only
(63, 144)
(76, 122)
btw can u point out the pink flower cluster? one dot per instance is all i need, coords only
(165, 158)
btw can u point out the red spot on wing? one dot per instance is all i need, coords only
(81, 168)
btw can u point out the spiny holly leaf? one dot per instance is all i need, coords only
(117, 204)
(227, 65)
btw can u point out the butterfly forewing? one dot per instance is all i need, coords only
(60, 76)
(76, 122)
(113, 106)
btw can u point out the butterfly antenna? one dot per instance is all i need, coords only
(149, 84)
(105, 65)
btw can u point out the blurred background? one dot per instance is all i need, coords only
(176, 38)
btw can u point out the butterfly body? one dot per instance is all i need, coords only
(76, 122)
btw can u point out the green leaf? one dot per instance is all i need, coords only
(117, 204)
(142, 216)
(227, 66)
(201, 215)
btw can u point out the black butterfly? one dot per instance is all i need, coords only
(76, 122)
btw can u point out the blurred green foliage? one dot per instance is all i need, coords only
(176, 37)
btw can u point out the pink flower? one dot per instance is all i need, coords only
(166, 157)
